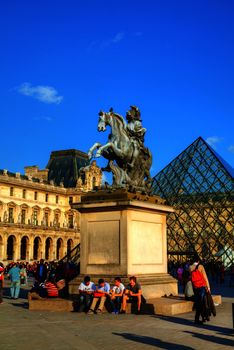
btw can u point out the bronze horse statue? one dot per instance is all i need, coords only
(128, 159)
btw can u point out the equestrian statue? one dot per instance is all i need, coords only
(128, 158)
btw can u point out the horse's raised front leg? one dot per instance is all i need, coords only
(116, 150)
(92, 149)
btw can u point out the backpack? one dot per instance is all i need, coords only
(188, 292)
(197, 278)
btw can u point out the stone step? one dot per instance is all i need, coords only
(171, 306)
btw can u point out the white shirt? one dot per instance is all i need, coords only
(89, 288)
(118, 290)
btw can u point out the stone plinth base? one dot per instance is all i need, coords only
(153, 286)
(124, 234)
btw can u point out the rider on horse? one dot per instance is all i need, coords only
(135, 131)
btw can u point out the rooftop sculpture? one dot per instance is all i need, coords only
(128, 158)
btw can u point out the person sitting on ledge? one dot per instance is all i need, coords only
(132, 294)
(86, 290)
(116, 294)
(37, 292)
(51, 288)
(100, 295)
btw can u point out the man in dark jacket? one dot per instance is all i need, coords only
(41, 273)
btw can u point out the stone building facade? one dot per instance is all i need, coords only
(36, 218)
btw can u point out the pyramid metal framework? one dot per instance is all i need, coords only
(199, 184)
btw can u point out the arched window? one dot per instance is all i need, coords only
(59, 249)
(69, 246)
(37, 253)
(49, 249)
(11, 247)
(24, 248)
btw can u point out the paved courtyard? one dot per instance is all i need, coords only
(24, 329)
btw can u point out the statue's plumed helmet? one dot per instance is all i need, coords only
(134, 113)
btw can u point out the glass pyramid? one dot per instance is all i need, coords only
(199, 184)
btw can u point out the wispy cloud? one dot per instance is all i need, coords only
(100, 44)
(114, 40)
(214, 140)
(43, 93)
(231, 148)
(138, 34)
(43, 118)
(117, 38)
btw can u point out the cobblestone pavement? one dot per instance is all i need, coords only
(24, 329)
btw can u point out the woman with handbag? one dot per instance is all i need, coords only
(201, 286)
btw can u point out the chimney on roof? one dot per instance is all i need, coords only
(35, 172)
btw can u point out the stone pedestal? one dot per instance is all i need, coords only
(124, 234)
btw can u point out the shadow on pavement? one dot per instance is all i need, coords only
(22, 305)
(153, 341)
(212, 338)
(183, 321)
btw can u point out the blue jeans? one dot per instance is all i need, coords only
(116, 303)
(199, 298)
(15, 289)
(85, 301)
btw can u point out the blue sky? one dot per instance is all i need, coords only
(62, 61)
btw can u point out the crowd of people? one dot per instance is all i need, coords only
(43, 273)
(215, 271)
(193, 276)
(51, 279)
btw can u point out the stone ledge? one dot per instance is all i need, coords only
(160, 306)
(55, 304)
(175, 305)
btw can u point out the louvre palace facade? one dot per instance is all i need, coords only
(36, 218)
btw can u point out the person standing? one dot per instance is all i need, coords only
(14, 275)
(201, 286)
(180, 271)
(23, 275)
(41, 272)
(1, 281)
